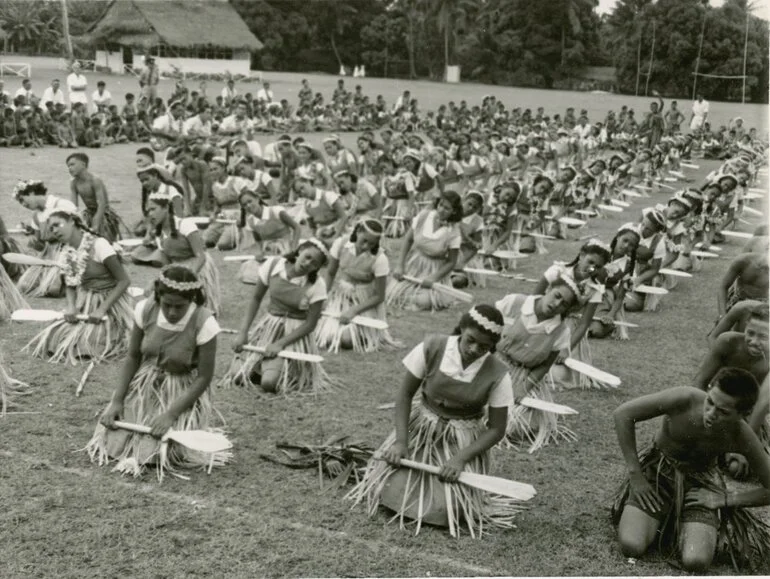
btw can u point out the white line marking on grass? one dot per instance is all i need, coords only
(155, 490)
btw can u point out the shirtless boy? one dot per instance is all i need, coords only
(746, 278)
(84, 185)
(672, 486)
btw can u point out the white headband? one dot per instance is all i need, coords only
(182, 286)
(485, 323)
(571, 283)
(320, 245)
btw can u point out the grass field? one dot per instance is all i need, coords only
(63, 517)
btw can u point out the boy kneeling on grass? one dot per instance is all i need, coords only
(674, 493)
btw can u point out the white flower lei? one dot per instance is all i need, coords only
(76, 260)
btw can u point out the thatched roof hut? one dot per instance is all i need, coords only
(182, 24)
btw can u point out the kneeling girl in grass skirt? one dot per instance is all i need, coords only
(39, 280)
(165, 380)
(674, 495)
(360, 268)
(649, 259)
(500, 218)
(273, 230)
(398, 191)
(535, 332)
(465, 395)
(326, 212)
(174, 240)
(96, 285)
(619, 270)
(296, 295)
(10, 298)
(471, 229)
(430, 253)
(587, 271)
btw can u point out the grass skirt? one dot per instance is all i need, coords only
(10, 390)
(10, 298)
(488, 237)
(329, 332)
(395, 228)
(604, 308)
(421, 497)
(410, 296)
(528, 426)
(39, 281)
(150, 393)
(110, 226)
(81, 342)
(296, 377)
(743, 537)
(563, 377)
(474, 279)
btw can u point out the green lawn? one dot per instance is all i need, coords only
(63, 517)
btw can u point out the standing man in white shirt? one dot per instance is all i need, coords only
(25, 91)
(264, 94)
(77, 84)
(700, 112)
(229, 93)
(53, 94)
(101, 97)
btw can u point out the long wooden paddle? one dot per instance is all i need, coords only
(362, 321)
(674, 272)
(738, 234)
(197, 440)
(23, 259)
(591, 372)
(546, 406)
(651, 289)
(620, 203)
(612, 208)
(32, 315)
(620, 324)
(445, 289)
(288, 354)
(490, 484)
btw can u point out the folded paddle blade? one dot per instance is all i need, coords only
(22, 259)
(591, 372)
(738, 234)
(571, 221)
(30, 315)
(752, 211)
(289, 355)
(697, 253)
(239, 258)
(546, 406)
(610, 208)
(479, 271)
(365, 321)
(619, 203)
(201, 440)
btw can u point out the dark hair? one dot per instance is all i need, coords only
(454, 199)
(150, 171)
(372, 224)
(631, 265)
(590, 248)
(251, 193)
(739, 384)
(36, 188)
(79, 156)
(291, 257)
(759, 313)
(167, 203)
(74, 218)
(559, 282)
(489, 312)
(181, 274)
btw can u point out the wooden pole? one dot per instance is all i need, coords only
(66, 26)
(697, 60)
(652, 57)
(639, 60)
(745, 56)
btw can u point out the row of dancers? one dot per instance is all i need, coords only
(320, 285)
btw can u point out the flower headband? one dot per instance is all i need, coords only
(320, 245)
(182, 286)
(596, 242)
(162, 195)
(369, 230)
(484, 322)
(22, 186)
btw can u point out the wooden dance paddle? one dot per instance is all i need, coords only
(697, 253)
(32, 315)
(670, 179)
(738, 234)
(651, 289)
(533, 234)
(677, 174)
(749, 210)
(689, 165)
(620, 324)
(206, 221)
(546, 406)
(243, 258)
(480, 271)
(483, 482)
(445, 289)
(586, 212)
(571, 221)
(17, 231)
(754, 195)
(505, 253)
(705, 247)
(197, 440)
(612, 208)
(630, 193)
(591, 372)
(620, 203)
(288, 354)
(23, 259)
(362, 321)
(674, 272)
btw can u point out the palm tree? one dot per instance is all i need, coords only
(22, 23)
